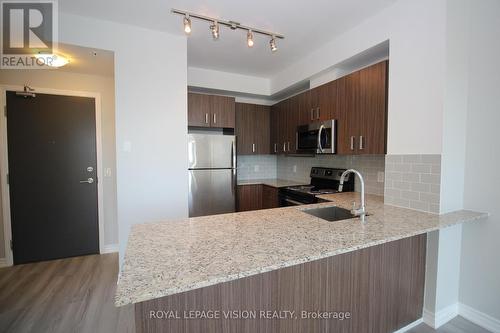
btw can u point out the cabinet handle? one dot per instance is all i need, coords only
(275, 147)
(284, 146)
(317, 113)
(288, 145)
(215, 118)
(312, 114)
(206, 118)
(352, 142)
(296, 140)
(253, 147)
(361, 143)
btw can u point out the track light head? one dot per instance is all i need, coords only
(272, 44)
(215, 30)
(187, 24)
(249, 38)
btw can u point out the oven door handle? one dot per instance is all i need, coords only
(319, 138)
(293, 202)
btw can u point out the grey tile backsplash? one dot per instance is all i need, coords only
(413, 181)
(256, 167)
(372, 167)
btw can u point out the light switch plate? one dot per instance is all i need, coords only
(380, 176)
(107, 172)
(295, 169)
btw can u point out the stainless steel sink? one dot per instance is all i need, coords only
(331, 213)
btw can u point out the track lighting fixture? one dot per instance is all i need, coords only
(249, 38)
(187, 24)
(215, 30)
(272, 44)
(216, 23)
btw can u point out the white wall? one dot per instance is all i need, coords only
(54, 79)
(213, 79)
(480, 266)
(151, 117)
(415, 30)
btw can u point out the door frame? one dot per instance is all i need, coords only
(4, 161)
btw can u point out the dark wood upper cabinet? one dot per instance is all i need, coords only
(199, 110)
(362, 111)
(211, 111)
(373, 109)
(223, 109)
(252, 129)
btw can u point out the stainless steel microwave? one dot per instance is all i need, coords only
(318, 138)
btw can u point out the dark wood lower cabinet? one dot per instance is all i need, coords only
(380, 287)
(248, 197)
(254, 197)
(269, 197)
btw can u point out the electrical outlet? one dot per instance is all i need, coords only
(380, 176)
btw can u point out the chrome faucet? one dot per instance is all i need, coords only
(361, 211)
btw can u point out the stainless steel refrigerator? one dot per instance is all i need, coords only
(212, 174)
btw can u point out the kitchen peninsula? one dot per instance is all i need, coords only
(283, 260)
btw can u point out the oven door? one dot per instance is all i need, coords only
(318, 138)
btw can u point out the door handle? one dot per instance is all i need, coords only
(320, 148)
(361, 143)
(275, 147)
(206, 118)
(317, 112)
(284, 146)
(253, 147)
(352, 142)
(312, 114)
(88, 181)
(215, 118)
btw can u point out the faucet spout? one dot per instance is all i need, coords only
(361, 210)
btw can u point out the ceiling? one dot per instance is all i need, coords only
(306, 26)
(85, 60)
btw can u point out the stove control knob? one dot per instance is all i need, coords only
(329, 172)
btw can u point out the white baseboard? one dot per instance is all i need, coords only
(409, 326)
(438, 319)
(3, 262)
(479, 318)
(110, 248)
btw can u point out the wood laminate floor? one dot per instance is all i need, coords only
(76, 295)
(66, 295)
(456, 325)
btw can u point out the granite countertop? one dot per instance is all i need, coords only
(180, 255)
(273, 182)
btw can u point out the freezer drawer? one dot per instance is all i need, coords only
(209, 151)
(212, 191)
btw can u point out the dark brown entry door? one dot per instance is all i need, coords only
(52, 156)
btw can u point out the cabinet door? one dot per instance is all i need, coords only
(306, 113)
(326, 101)
(274, 128)
(373, 109)
(293, 120)
(269, 197)
(262, 129)
(199, 110)
(222, 111)
(249, 197)
(348, 111)
(244, 128)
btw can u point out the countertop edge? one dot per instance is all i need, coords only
(121, 301)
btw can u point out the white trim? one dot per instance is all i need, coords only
(3, 262)
(410, 326)
(479, 318)
(109, 248)
(4, 166)
(438, 319)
